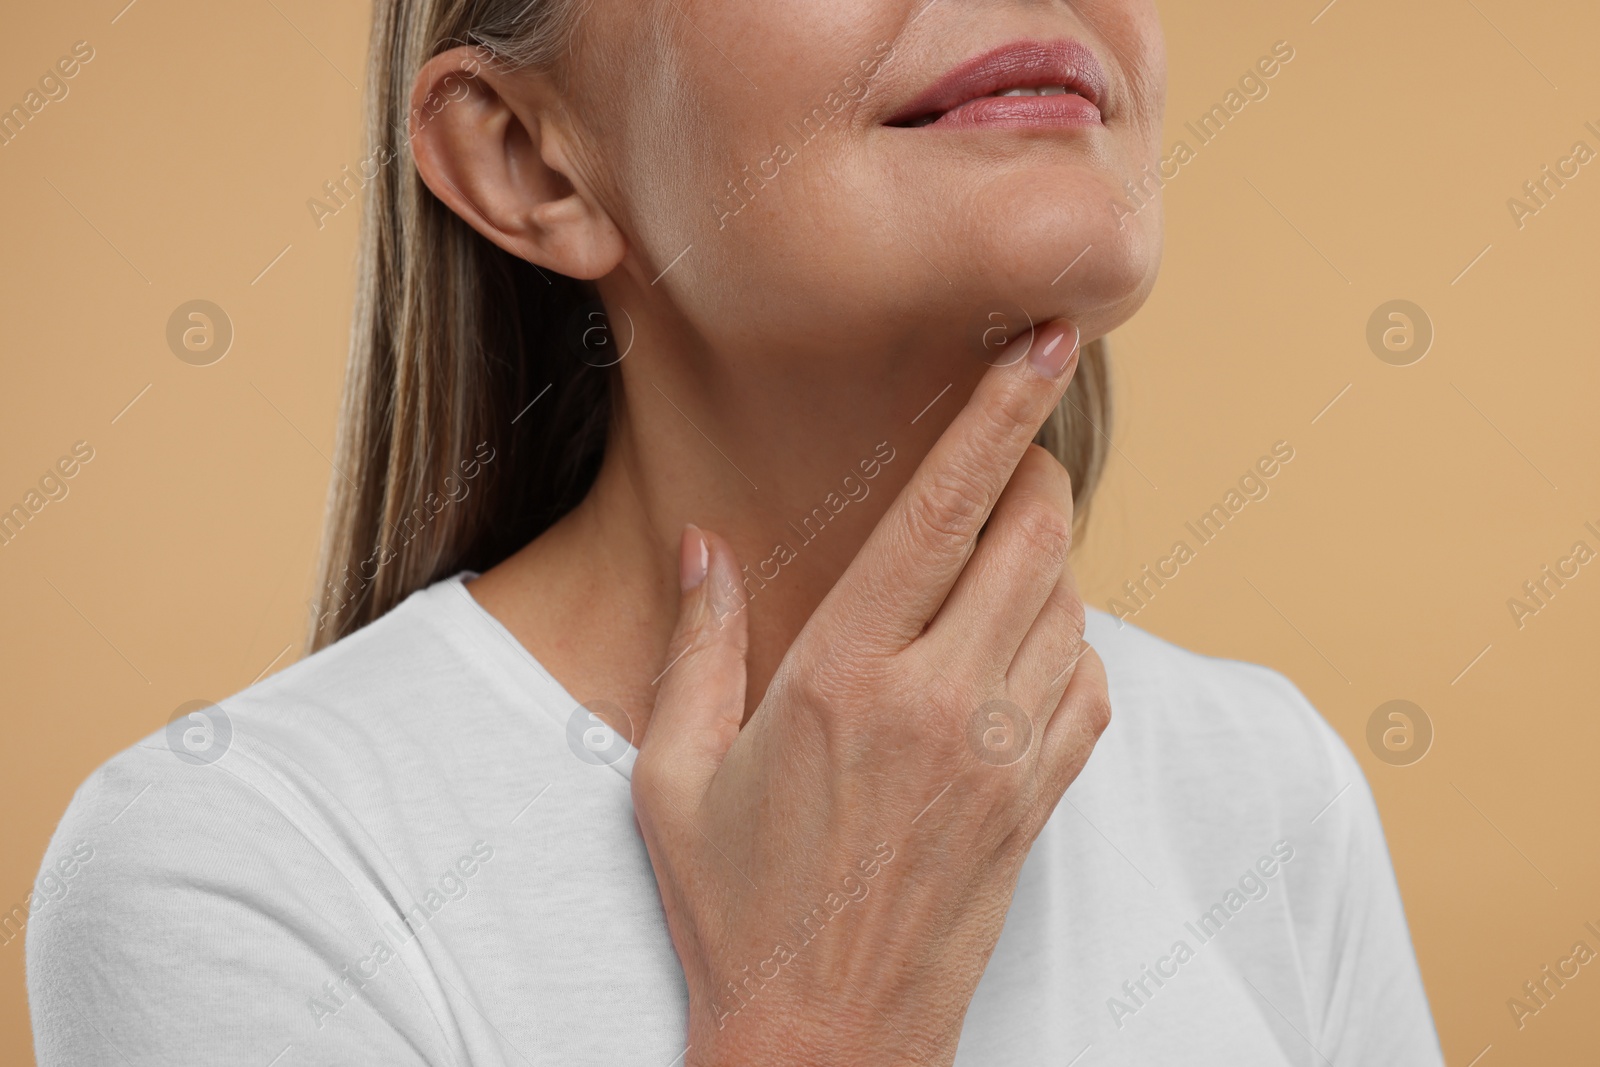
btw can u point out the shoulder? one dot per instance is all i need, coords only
(1188, 691)
(371, 747)
(413, 689)
(244, 849)
(1213, 770)
(1204, 727)
(248, 787)
(209, 791)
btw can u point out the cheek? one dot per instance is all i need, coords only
(774, 241)
(721, 145)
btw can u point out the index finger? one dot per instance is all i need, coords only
(911, 560)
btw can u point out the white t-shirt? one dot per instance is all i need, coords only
(414, 848)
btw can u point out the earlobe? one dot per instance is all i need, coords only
(488, 144)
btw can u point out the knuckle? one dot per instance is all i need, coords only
(832, 681)
(1097, 697)
(1014, 410)
(647, 780)
(1077, 616)
(811, 685)
(948, 509)
(1098, 713)
(1043, 529)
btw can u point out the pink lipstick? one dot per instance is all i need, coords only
(1023, 84)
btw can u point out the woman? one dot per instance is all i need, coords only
(810, 808)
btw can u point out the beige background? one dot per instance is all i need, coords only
(1379, 567)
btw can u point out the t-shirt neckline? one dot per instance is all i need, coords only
(522, 666)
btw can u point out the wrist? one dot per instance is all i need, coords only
(818, 1037)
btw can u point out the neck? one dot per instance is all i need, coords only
(793, 468)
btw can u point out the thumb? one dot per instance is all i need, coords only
(700, 703)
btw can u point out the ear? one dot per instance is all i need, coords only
(487, 142)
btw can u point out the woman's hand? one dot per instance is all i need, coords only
(836, 874)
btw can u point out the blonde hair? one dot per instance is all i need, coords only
(441, 464)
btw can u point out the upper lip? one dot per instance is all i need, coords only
(1019, 65)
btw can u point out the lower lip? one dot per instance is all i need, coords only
(1035, 112)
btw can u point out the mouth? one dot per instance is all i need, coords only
(1024, 84)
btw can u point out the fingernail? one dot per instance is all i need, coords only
(694, 557)
(1052, 356)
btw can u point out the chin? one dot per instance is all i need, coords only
(1049, 242)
